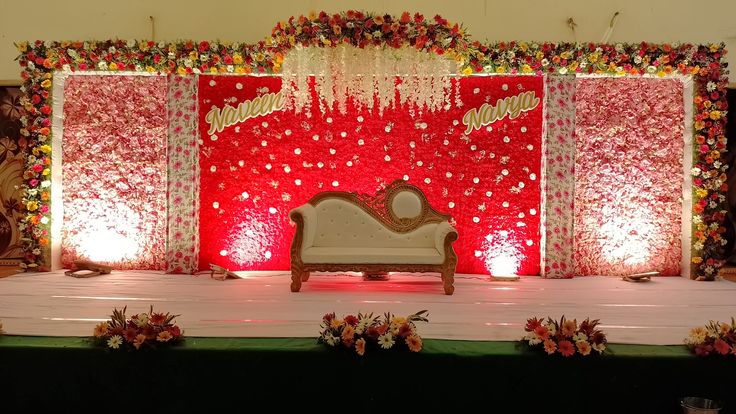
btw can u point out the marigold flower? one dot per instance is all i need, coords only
(569, 327)
(550, 347)
(164, 336)
(101, 329)
(139, 340)
(583, 347)
(360, 346)
(414, 342)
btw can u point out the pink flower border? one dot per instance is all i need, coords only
(182, 248)
(559, 187)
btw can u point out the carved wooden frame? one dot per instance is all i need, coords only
(379, 207)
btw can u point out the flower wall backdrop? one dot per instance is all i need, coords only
(114, 171)
(704, 62)
(254, 172)
(628, 176)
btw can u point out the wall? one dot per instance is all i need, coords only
(249, 21)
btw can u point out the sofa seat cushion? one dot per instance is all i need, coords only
(371, 255)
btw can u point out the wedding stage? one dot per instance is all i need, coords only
(660, 312)
(252, 341)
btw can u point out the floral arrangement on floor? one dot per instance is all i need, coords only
(149, 330)
(715, 338)
(565, 337)
(363, 332)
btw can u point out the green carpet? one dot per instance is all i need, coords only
(68, 374)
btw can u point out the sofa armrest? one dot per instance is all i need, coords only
(308, 216)
(443, 230)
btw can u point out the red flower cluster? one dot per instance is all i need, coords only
(366, 331)
(565, 337)
(150, 330)
(715, 338)
(363, 29)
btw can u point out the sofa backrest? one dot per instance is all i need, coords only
(342, 223)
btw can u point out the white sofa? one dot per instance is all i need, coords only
(397, 231)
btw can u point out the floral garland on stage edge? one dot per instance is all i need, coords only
(143, 330)
(715, 338)
(565, 337)
(363, 332)
(704, 62)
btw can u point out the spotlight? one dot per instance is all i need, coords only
(640, 277)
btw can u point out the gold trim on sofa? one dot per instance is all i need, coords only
(378, 206)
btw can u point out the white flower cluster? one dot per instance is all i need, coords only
(368, 76)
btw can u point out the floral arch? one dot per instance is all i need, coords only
(40, 59)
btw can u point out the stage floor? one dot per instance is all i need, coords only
(660, 312)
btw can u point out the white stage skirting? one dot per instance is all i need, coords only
(260, 305)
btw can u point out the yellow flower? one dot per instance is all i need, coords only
(143, 46)
(46, 171)
(701, 192)
(44, 148)
(46, 84)
(23, 47)
(336, 323)
(32, 206)
(593, 58)
(193, 55)
(523, 46)
(715, 115)
(260, 57)
(699, 125)
(707, 103)
(526, 69)
(239, 70)
(213, 70)
(697, 260)
(181, 71)
(661, 74)
(501, 69)
(113, 66)
(566, 55)
(714, 47)
(539, 55)
(150, 69)
(237, 59)
(467, 71)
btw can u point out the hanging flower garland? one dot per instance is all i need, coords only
(438, 36)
